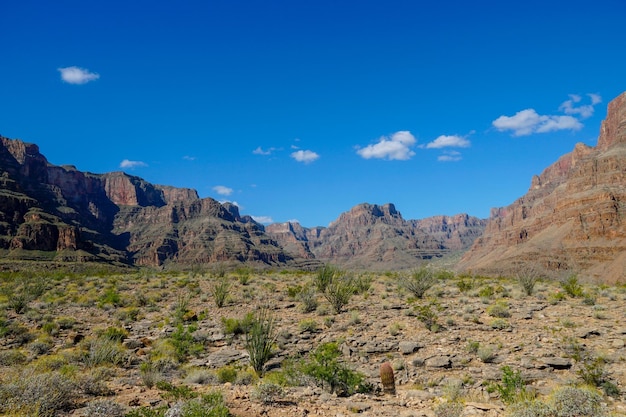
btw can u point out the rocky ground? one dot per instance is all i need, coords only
(447, 349)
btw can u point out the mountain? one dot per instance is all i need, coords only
(376, 237)
(572, 219)
(50, 212)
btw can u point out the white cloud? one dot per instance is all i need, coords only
(223, 190)
(76, 75)
(128, 164)
(450, 156)
(445, 141)
(585, 111)
(526, 122)
(595, 98)
(260, 151)
(189, 158)
(398, 147)
(263, 219)
(305, 156)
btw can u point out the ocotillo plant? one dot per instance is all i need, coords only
(387, 378)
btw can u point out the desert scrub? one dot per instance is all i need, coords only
(449, 409)
(220, 289)
(572, 287)
(103, 351)
(308, 297)
(576, 402)
(184, 343)
(36, 394)
(428, 314)
(260, 337)
(499, 309)
(243, 274)
(339, 291)
(267, 393)
(308, 325)
(105, 408)
(324, 276)
(419, 281)
(512, 388)
(324, 367)
(226, 374)
(527, 280)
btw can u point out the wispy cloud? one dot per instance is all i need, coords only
(76, 75)
(128, 164)
(452, 141)
(260, 151)
(223, 190)
(263, 219)
(305, 156)
(450, 156)
(189, 158)
(397, 147)
(526, 122)
(570, 106)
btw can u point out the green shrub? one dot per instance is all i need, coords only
(324, 277)
(449, 409)
(419, 281)
(530, 408)
(183, 342)
(308, 325)
(220, 291)
(237, 326)
(150, 374)
(103, 351)
(576, 402)
(308, 297)
(116, 334)
(527, 280)
(428, 314)
(572, 287)
(324, 367)
(339, 291)
(226, 374)
(260, 337)
(512, 387)
(500, 309)
(243, 274)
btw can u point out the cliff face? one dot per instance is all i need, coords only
(572, 217)
(376, 237)
(115, 217)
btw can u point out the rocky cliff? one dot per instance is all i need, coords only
(57, 212)
(376, 237)
(572, 217)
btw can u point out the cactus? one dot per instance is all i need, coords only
(387, 378)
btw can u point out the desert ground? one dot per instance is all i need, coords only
(186, 343)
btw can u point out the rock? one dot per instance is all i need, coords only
(584, 333)
(577, 202)
(442, 361)
(408, 347)
(558, 363)
(224, 357)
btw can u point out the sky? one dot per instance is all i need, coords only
(300, 110)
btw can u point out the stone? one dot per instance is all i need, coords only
(577, 202)
(442, 361)
(558, 363)
(407, 347)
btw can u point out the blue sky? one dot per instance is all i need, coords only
(300, 110)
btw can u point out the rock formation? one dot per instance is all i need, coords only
(572, 218)
(57, 212)
(370, 236)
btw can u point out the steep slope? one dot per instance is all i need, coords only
(52, 212)
(571, 219)
(376, 237)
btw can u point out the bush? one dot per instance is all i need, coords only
(104, 408)
(220, 291)
(576, 402)
(226, 374)
(512, 387)
(38, 394)
(339, 291)
(324, 277)
(267, 393)
(527, 280)
(324, 367)
(428, 314)
(420, 281)
(530, 408)
(308, 297)
(571, 286)
(259, 340)
(103, 351)
(500, 309)
(449, 409)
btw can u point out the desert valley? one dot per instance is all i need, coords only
(124, 298)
